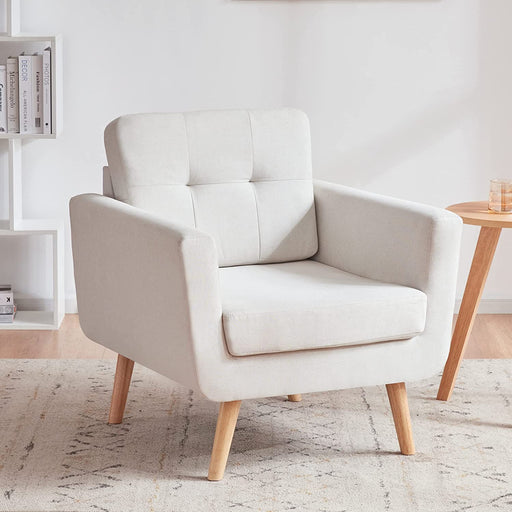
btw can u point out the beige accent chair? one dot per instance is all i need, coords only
(219, 263)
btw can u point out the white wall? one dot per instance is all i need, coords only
(406, 97)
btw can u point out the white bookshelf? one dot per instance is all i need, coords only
(12, 42)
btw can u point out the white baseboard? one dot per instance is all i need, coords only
(33, 304)
(491, 306)
(70, 305)
(487, 306)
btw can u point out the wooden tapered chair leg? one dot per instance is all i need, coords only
(226, 423)
(122, 379)
(295, 398)
(397, 395)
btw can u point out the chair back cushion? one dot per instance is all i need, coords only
(242, 176)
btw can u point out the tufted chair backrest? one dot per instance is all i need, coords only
(242, 176)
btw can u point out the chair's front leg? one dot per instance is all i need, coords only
(397, 395)
(122, 379)
(226, 423)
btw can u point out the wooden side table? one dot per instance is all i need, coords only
(491, 223)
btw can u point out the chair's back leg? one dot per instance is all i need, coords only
(122, 379)
(226, 423)
(295, 398)
(397, 395)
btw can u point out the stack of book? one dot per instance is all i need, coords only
(7, 307)
(25, 94)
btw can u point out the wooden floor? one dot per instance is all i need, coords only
(491, 338)
(69, 342)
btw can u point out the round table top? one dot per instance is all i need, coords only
(478, 214)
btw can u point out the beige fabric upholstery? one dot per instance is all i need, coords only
(140, 281)
(244, 177)
(307, 305)
(167, 249)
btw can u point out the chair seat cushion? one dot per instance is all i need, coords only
(308, 305)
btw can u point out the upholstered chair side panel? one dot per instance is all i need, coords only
(146, 287)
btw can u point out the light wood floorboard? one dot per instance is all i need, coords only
(491, 338)
(69, 342)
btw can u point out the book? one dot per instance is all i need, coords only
(47, 91)
(13, 110)
(7, 310)
(6, 299)
(6, 295)
(8, 318)
(37, 94)
(3, 99)
(25, 92)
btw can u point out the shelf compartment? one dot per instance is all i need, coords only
(31, 320)
(14, 45)
(51, 317)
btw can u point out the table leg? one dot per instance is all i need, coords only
(482, 259)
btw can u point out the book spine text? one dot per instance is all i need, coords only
(3, 99)
(13, 110)
(37, 94)
(25, 94)
(47, 92)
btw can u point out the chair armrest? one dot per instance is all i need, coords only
(398, 242)
(146, 287)
(387, 239)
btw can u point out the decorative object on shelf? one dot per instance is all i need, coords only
(49, 96)
(500, 196)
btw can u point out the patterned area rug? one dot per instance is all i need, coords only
(333, 451)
